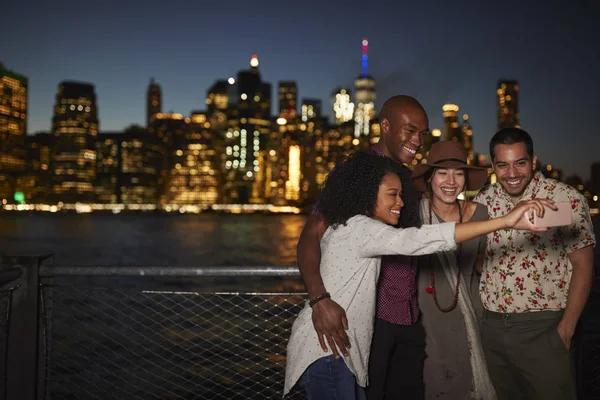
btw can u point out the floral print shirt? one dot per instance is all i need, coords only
(530, 271)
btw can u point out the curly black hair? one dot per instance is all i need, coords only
(352, 185)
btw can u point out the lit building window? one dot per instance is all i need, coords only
(292, 185)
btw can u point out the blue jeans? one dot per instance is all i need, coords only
(330, 379)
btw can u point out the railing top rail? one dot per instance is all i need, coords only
(262, 271)
(10, 274)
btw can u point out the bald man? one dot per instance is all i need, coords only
(398, 345)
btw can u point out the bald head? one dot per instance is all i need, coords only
(404, 124)
(397, 104)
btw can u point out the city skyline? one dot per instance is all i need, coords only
(548, 54)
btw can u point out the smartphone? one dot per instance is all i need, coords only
(561, 217)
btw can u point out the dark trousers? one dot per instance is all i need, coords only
(396, 362)
(526, 357)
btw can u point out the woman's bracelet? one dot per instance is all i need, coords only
(317, 299)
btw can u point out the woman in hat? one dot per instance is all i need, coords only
(448, 281)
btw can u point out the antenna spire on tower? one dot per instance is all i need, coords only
(365, 56)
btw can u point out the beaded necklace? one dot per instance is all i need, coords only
(431, 287)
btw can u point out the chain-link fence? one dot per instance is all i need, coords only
(115, 333)
(136, 343)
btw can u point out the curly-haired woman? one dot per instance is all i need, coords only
(361, 203)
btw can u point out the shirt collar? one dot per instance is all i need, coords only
(530, 191)
(377, 150)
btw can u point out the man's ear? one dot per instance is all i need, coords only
(385, 126)
(534, 163)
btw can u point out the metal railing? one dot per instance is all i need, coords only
(163, 332)
(167, 332)
(167, 344)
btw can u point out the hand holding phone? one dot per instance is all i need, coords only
(562, 216)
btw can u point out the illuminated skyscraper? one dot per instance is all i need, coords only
(128, 167)
(249, 125)
(364, 92)
(195, 175)
(508, 104)
(291, 165)
(284, 170)
(13, 127)
(218, 101)
(315, 130)
(431, 138)
(108, 167)
(311, 108)
(36, 183)
(217, 96)
(451, 128)
(141, 163)
(75, 126)
(153, 101)
(331, 145)
(343, 107)
(171, 130)
(594, 182)
(288, 99)
(167, 126)
(467, 139)
(253, 95)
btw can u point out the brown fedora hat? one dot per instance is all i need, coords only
(449, 154)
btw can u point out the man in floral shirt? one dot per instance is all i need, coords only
(534, 285)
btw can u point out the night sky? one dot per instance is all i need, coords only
(438, 51)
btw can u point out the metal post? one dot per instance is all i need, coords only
(23, 335)
(8, 276)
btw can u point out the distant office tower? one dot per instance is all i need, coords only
(450, 126)
(467, 139)
(292, 160)
(218, 100)
(39, 152)
(249, 125)
(288, 94)
(36, 183)
(128, 167)
(285, 173)
(170, 129)
(217, 96)
(364, 93)
(195, 172)
(508, 104)
(431, 138)
(311, 108)
(13, 127)
(333, 143)
(108, 167)
(141, 167)
(153, 101)
(75, 126)
(594, 183)
(343, 107)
